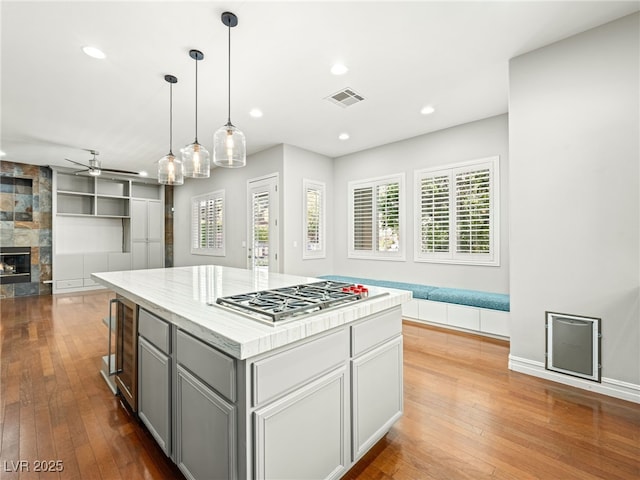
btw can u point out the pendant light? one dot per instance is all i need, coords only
(229, 145)
(170, 170)
(195, 157)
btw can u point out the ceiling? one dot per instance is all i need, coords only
(56, 101)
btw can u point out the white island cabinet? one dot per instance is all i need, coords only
(228, 397)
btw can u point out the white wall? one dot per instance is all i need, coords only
(574, 160)
(302, 164)
(234, 183)
(474, 140)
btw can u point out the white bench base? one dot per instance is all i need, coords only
(494, 323)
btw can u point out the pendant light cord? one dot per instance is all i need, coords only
(196, 99)
(229, 78)
(170, 118)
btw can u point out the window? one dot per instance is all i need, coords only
(313, 223)
(376, 218)
(457, 213)
(207, 224)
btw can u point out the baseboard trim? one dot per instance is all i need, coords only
(608, 386)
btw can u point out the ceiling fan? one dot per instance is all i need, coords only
(95, 166)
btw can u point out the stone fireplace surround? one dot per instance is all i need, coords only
(25, 221)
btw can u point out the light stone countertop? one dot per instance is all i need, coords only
(182, 296)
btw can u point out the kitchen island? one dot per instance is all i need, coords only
(227, 396)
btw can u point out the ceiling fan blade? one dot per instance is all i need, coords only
(77, 163)
(123, 172)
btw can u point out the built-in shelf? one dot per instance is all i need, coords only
(92, 227)
(113, 188)
(99, 197)
(71, 192)
(75, 203)
(112, 206)
(75, 183)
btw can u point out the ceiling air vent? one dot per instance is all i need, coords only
(345, 97)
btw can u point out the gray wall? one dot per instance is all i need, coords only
(470, 141)
(574, 155)
(234, 182)
(302, 164)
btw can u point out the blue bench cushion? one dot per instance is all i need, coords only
(473, 298)
(419, 291)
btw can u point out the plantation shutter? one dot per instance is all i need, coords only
(473, 211)
(213, 223)
(363, 218)
(196, 219)
(260, 223)
(313, 219)
(434, 214)
(388, 215)
(207, 224)
(457, 210)
(376, 218)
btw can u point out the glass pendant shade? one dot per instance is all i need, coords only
(197, 161)
(196, 158)
(170, 170)
(229, 147)
(229, 143)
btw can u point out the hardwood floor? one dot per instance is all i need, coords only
(466, 415)
(54, 404)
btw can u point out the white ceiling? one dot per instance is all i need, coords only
(401, 56)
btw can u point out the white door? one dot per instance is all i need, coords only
(262, 230)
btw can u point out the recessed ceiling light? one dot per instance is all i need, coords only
(427, 110)
(339, 69)
(143, 173)
(344, 136)
(2, 154)
(94, 52)
(255, 113)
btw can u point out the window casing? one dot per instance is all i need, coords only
(457, 213)
(208, 224)
(376, 218)
(313, 222)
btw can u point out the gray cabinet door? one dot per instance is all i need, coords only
(139, 220)
(376, 394)
(147, 220)
(155, 254)
(155, 223)
(303, 435)
(206, 426)
(154, 407)
(139, 255)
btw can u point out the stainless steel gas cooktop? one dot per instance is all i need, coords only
(289, 303)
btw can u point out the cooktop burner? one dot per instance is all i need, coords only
(288, 303)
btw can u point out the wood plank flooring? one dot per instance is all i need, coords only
(466, 415)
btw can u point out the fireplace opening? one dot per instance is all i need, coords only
(15, 265)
